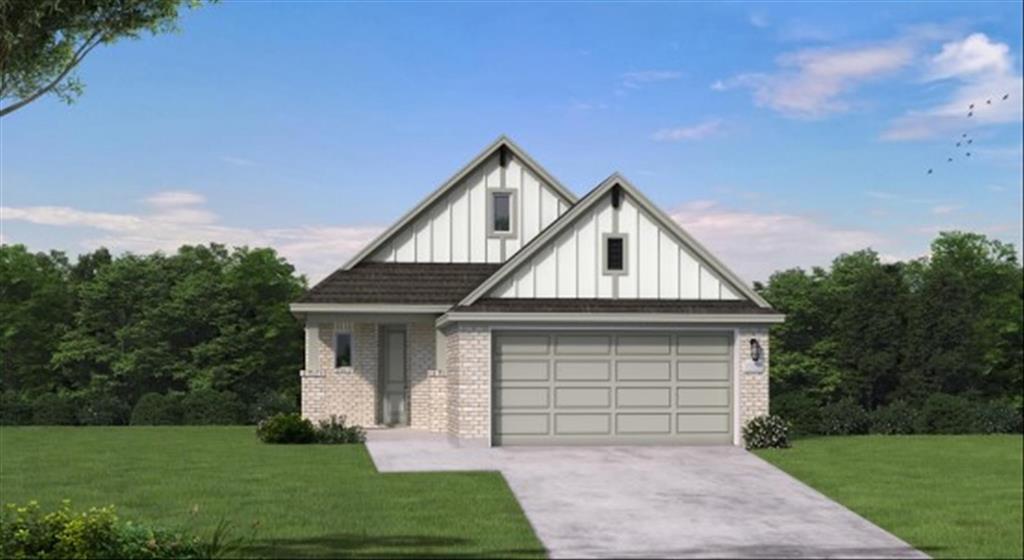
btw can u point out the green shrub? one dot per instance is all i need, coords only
(154, 409)
(269, 404)
(997, 417)
(799, 409)
(207, 406)
(54, 409)
(896, 418)
(27, 532)
(102, 409)
(843, 418)
(286, 428)
(335, 431)
(766, 431)
(15, 410)
(947, 414)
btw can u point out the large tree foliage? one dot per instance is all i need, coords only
(875, 333)
(205, 317)
(43, 41)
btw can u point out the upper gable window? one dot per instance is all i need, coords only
(501, 218)
(615, 254)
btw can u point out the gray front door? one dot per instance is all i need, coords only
(605, 387)
(393, 383)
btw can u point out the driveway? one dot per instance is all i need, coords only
(616, 502)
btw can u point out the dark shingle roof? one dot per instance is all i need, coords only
(409, 283)
(549, 305)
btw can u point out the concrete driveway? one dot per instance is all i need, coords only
(616, 502)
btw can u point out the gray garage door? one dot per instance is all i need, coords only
(618, 388)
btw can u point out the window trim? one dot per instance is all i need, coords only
(351, 349)
(625, 254)
(513, 221)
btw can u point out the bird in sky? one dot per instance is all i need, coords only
(949, 159)
(988, 102)
(968, 154)
(929, 171)
(972, 106)
(970, 114)
(958, 144)
(1006, 96)
(970, 140)
(964, 135)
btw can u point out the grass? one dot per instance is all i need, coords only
(949, 496)
(294, 501)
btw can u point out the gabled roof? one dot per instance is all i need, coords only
(399, 283)
(581, 208)
(502, 142)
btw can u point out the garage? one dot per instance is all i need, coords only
(597, 387)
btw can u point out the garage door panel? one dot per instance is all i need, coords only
(644, 345)
(524, 397)
(713, 345)
(702, 423)
(522, 424)
(702, 371)
(630, 423)
(643, 397)
(702, 396)
(594, 387)
(582, 424)
(582, 370)
(632, 370)
(583, 344)
(534, 370)
(583, 397)
(519, 344)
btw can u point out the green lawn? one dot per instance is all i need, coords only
(950, 496)
(306, 500)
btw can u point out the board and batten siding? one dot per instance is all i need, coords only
(658, 265)
(454, 228)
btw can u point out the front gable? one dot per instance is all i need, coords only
(661, 260)
(452, 224)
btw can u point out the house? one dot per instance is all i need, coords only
(504, 310)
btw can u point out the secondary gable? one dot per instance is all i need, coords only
(453, 226)
(661, 261)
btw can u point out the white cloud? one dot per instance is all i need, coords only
(636, 79)
(694, 132)
(982, 72)
(176, 218)
(812, 83)
(755, 244)
(758, 20)
(576, 105)
(942, 209)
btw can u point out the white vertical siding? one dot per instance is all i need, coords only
(454, 228)
(658, 265)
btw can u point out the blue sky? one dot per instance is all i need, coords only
(778, 134)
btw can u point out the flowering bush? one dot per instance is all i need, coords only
(766, 431)
(27, 532)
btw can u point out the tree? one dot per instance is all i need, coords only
(35, 309)
(43, 41)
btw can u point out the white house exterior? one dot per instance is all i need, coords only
(503, 310)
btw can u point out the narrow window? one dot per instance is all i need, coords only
(615, 254)
(502, 208)
(342, 350)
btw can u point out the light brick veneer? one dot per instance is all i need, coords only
(351, 391)
(469, 381)
(753, 386)
(420, 355)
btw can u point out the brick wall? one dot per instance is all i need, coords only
(753, 386)
(420, 355)
(351, 391)
(469, 381)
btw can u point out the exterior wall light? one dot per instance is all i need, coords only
(755, 350)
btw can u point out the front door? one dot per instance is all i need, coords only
(393, 383)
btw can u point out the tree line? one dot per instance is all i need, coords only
(83, 342)
(204, 335)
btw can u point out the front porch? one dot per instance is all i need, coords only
(376, 371)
